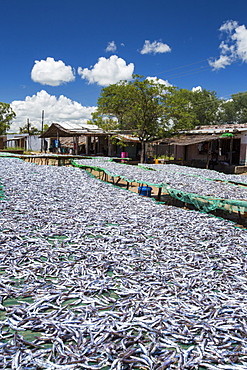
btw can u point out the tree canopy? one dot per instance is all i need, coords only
(153, 110)
(235, 109)
(29, 129)
(32, 130)
(6, 116)
(203, 105)
(143, 106)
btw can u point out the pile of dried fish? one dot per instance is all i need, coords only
(95, 277)
(169, 179)
(201, 172)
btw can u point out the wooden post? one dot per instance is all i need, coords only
(231, 146)
(109, 152)
(209, 153)
(76, 144)
(88, 144)
(159, 194)
(94, 145)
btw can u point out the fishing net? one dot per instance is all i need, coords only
(114, 175)
(202, 203)
(208, 204)
(1, 191)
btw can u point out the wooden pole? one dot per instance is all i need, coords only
(159, 194)
(231, 146)
(209, 153)
(76, 144)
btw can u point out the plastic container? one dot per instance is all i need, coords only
(124, 155)
(145, 191)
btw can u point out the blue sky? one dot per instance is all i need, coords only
(56, 56)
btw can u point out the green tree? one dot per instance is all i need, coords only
(107, 123)
(235, 109)
(206, 106)
(28, 129)
(46, 126)
(179, 112)
(143, 106)
(6, 116)
(200, 107)
(228, 112)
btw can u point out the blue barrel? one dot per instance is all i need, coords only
(145, 191)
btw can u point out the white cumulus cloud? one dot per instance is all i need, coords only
(154, 47)
(196, 89)
(233, 48)
(107, 71)
(51, 72)
(61, 109)
(111, 47)
(159, 80)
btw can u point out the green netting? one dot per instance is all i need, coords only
(214, 178)
(227, 134)
(1, 191)
(7, 154)
(202, 203)
(208, 204)
(101, 169)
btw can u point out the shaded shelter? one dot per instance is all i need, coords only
(75, 131)
(93, 139)
(220, 145)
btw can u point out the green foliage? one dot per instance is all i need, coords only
(132, 105)
(6, 116)
(235, 110)
(179, 111)
(28, 129)
(152, 110)
(146, 114)
(147, 108)
(197, 108)
(46, 126)
(117, 141)
(9, 148)
(104, 121)
(206, 107)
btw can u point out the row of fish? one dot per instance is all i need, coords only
(96, 277)
(201, 172)
(169, 179)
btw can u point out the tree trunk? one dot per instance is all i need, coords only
(143, 152)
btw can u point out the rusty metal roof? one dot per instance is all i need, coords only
(216, 129)
(72, 129)
(189, 139)
(128, 138)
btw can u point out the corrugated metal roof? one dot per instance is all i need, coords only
(190, 139)
(70, 129)
(216, 129)
(128, 138)
(76, 126)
